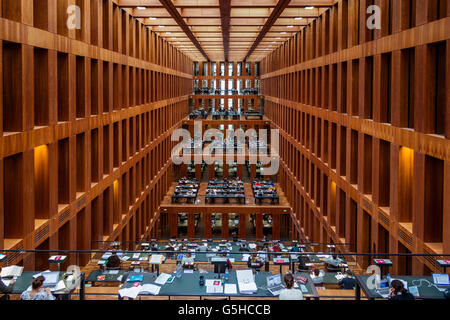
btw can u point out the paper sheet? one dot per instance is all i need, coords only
(162, 279)
(130, 292)
(149, 289)
(230, 288)
(59, 286)
(214, 289)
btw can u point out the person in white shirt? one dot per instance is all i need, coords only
(187, 260)
(333, 261)
(203, 247)
(290, 293)
(317, 276)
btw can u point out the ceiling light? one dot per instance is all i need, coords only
(161, 26)
(290, 26)
(298, 18)
(284, 32)
(141, 8)
(152, 18)
(309, 8)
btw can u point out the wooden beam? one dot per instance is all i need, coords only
(282, 4)
(177, 17)
(225, 12)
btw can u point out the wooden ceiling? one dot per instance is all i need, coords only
(226, 30)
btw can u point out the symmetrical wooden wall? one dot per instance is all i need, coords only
(85, 125)
(364, 117)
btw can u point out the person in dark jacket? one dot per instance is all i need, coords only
(113, 262)
(447, 294)
(348, 283)
(398, 291)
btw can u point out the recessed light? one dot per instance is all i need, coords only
(290, 26)
(284, 32)
(161, 26)
(298, 18)
(309, 8)
(152, 18)
(141, 8)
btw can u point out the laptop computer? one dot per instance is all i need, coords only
(441, 279)
(274, 284)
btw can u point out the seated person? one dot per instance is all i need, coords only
(348, 283)
(6, 289)
(113, 262)
(290, 293)
(255, 262)
(317, 277)
(37, 291)
(187, 261)
(447, 294)
(398, 291)
(276, 248)
(295, 248)
(244, 248)
(154, 247)
(333, 262)
(302, 267)
(202, 247)
(170, 247)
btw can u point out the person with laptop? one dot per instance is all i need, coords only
(289, 293)
(398, 291)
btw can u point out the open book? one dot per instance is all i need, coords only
(12, 271)
(133, 292)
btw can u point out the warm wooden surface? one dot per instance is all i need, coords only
(363, 160)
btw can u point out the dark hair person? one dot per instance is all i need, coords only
(290, 293)
(398, 291)
(37, 291)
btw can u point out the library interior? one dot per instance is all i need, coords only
(224, 149)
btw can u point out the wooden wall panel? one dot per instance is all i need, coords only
(383, 109)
